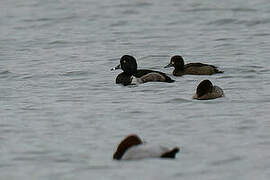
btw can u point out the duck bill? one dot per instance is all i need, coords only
(169, 65)
(116, 67)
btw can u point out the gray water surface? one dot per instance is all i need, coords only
(62, 115)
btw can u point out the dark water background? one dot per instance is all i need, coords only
(62, 115)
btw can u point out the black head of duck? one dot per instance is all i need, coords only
(128, 64)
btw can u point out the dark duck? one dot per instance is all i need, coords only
(181, 69)
(206, 90)
(131, 75)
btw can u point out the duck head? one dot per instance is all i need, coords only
(204, 87)
(129, 141)
(177, 62)
(128, 64)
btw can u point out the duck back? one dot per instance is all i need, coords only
(150, 75)
(215, 93)
(149, 151)
(200, 69)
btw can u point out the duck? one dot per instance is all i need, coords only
(132, 148)
(181, 69)
(206, 90)
(131, 75)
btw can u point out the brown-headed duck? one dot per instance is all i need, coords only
(181, 69)
(206, 90)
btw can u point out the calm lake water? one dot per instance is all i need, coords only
(62, 115)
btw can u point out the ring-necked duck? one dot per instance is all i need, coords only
(132, 147)
(206, 90)
(131, 75)
(192, 68)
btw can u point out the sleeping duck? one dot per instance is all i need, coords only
(206, 90)
(132, 75)
(132, 147)
(192, 68)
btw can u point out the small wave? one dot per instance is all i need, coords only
(46, 19)
(4, 165)
(227, 161)
(100, 167)
(138, 4)
(116, 60)
(223, 45)
(227, 21)
(239, 53)
(264, 142)
(201, 9)
(221, 9)
(255, 22)
(154, 56)
(27, 76)
(254, 67)
(143, 4)
(250, 77)
(75, 73)
(244, 128)
(226, 77)
(58, 42)
(223, 21)
(264, 70)
(136, 112)
(5, 72)
(179, 100)
(38, 19)
(30, 108)
(248, 70)
(73, 100)
(262, 34)
(224, 39)
(119, 23)
(130, 12)
(242, 9)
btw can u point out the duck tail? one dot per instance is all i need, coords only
(171, 153)
(169, 80)
(218, 71)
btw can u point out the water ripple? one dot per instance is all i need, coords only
(224, 21)
(231, 21)
(57, 18)
(221, 9)
(178, 100)
(75, 73)
(226, 161)
(5, 73)
(8, 74)
(224, 39)
(58, 42)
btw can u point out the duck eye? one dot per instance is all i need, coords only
(172, 62)
(124, 61)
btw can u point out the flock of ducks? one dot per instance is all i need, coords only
(132, 147)
(132, 76)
